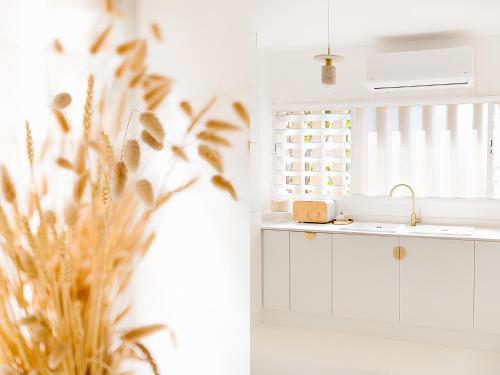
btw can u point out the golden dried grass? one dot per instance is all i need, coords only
(140, 53)
(136, 334)
(77, 261)
(80, 159)
(97, 44)
(61, 100)
(196, 119)
(213, 138)
(29, 144)
(186, 108)
(153, 125)
(145, 191)
(70, 214)
(87, 110)
(64, 163)
(151, 141)
(120, 177)
(132, 154)
(241, 111)
(61, 120)
(211, 156)
(179, 152)
(126, 47)
(219, 125)
(79, 188)
(57, 46)
(8, 187)
(221, 183)
(137, 78)
(155, 30)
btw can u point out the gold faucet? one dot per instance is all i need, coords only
(414, 220)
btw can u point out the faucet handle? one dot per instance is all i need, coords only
(415, 219)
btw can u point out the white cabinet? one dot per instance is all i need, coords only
(276, 266)
(437, 283)
(311, 272)
(487, 288)
(365, 277)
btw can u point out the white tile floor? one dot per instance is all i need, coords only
(291, 351)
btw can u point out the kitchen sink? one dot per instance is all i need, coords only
(372, 227)
(442, 230)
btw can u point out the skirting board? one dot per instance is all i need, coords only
(437, 336)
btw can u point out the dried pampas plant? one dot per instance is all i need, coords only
(66, 268)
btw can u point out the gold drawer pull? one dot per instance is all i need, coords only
(399, 253)
(310, 235)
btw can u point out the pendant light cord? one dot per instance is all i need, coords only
(328, 26)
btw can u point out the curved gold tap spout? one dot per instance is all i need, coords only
(414, 219)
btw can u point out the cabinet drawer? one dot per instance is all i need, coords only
(276, 266)
(311, 272)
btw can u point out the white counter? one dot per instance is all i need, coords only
(479, 234)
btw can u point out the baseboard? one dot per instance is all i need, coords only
(437, 336)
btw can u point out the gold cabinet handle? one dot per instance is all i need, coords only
(310, 235)
(399, 252)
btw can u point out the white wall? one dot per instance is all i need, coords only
(294, 77)
(196, 279)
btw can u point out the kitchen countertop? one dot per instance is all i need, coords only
(481, 234)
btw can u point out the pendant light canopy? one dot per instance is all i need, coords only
(328, 70)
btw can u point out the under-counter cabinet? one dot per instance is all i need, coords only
(311, 272)
(437, 283)
(487, 288)
(276, 270)
(365, 277)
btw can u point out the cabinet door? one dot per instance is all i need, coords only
(487, 288)
(311, 272)
(276, 265)
(437, 283)
(365, 277)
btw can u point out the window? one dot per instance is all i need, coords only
(312, 153)
(446, 150)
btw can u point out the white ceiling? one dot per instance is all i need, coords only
(302, 24)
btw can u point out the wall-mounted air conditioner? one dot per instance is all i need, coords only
(436, 68)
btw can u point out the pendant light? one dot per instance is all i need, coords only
(328, 70)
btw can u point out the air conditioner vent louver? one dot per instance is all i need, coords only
(430, 69)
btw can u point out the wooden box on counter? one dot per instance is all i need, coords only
(313, 211)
